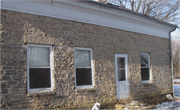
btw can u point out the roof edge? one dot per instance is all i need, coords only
(129, 11)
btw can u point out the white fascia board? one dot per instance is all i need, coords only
(113, 11)
(90, 13)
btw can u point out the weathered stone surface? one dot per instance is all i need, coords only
(15, 45)
(10, 72)
(118, 107)
(20, 29)
(169, 96)
(17, 77)
(7, 67)
(39, 40)
(4, 91)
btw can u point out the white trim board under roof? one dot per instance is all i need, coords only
(92, 13)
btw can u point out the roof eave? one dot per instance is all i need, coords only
(129, 11)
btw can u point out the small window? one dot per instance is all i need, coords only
(83, 68)
(121, 69)
(39, 63)
(145, 67)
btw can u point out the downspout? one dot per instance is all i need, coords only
(172, 60)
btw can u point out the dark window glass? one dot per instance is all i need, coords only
(121, 75)
(144, 73)
(83, 76)
(39, 77)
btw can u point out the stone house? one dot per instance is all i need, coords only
(81, 52)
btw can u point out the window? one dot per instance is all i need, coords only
(145, 67)
(39, 68)
(83, 68)
(121, 69)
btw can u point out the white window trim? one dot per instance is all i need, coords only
(147, 81)
(92, 69)
(51, 68)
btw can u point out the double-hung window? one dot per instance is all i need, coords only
(145, 67)
(83, 68)
(39, 68)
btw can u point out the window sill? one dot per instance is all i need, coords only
(146, 82)
(89, 90)
(41, 93)
(84, 87)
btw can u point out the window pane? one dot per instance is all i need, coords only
(83, 58)
(144, 60)
(144, 73)
(39, 77)
(121, 75)
(83, 76)
(121, 62)
(39, 57)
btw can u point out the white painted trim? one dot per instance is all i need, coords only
(91, 13)
(39, 67)
(116, 70)
(150, 74)
(145, 81)
(92, 68)
(83, 67)
(51, 67)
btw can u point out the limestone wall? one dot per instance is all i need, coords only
(18, 29)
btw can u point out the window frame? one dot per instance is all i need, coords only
(92, 68)
(146, 81)
(125, 66)
(51, 68)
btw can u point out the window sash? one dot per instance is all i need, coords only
(39, 56)
(145, 81)
(83, 76)
(91, 64)
(39, 78)
(83, 58)
(50, 55)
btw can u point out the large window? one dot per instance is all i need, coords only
(83, 67)
(39, 68)
(145, 67)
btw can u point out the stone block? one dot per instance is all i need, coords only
(119, 106)
(17, 77)
(10, 72)
(5, 78)
(7, 67)
(39, 40)
(4, 91)
(15, 46)
(12, 82)
(20, 60)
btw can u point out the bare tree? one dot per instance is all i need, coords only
(176, 54)
(165, 10)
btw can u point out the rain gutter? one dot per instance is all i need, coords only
(172, 60)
